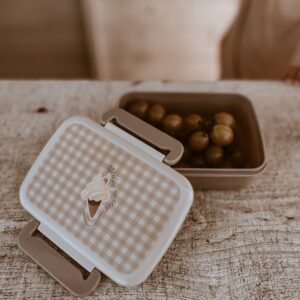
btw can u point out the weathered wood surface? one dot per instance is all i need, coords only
(234, 245)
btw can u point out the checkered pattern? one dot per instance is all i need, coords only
(143, 201)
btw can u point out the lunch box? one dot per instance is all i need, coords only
(107, 196)
(248, 133)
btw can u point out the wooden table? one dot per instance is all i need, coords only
(234, 244)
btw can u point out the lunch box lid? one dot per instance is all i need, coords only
(106, 198)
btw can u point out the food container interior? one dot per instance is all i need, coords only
(247, 132)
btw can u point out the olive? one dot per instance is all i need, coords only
(172, 123)
(237, 158)
(214, 155)
(198, 161)
(208, 124)
(193, 122)
(198, 141)
(226, 163)
(222, 135)
(156, 114)
(138, 108)
(181, 164)
(224, 118)
(186, 154)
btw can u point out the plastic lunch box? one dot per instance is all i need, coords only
(248, 133)
(106, 198)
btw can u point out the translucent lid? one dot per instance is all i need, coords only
(105, 201)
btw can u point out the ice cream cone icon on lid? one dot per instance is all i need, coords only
(97, 196)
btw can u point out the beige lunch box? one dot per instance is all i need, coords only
(107, 199)
(248, 133)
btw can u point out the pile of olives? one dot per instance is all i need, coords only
(209, 140)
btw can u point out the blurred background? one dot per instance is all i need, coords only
(113, 39)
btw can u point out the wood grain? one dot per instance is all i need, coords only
(42, 39)
(234, 245)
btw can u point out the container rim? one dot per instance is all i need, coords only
(230, 172)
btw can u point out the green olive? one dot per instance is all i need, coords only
(138, 108)
(181, 164)
(198, 161)
(237, 158)
(214, 155)
(193, 122)
(226, 163)
(156, 114)
(198, 141)
(208, 124)
(186, 154)
(224, 118)
(222, 135)
(172, 124)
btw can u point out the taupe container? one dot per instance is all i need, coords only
(248, 133)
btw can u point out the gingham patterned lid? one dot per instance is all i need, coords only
(113, 203)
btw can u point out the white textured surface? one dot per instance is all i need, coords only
(234, 245)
